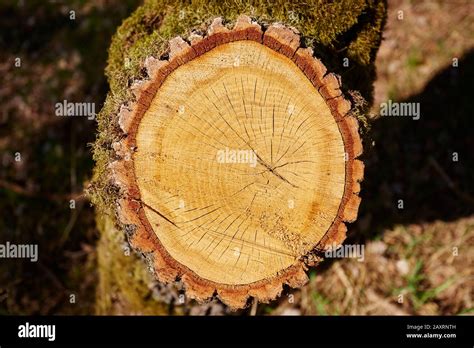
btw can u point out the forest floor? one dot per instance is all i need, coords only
(416, 222)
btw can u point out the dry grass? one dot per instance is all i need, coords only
(415, 48)
(430, 265)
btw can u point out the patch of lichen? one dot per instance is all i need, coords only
(125, 284)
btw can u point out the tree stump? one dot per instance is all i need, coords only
(235, 161)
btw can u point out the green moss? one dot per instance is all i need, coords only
(124, 281)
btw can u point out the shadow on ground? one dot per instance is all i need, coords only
(426, 164)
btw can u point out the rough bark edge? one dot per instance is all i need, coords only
(279, 38)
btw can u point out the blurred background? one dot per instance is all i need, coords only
(418, 260)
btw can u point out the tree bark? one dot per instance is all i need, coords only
(229, 159)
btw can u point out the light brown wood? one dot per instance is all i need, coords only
(238, 162)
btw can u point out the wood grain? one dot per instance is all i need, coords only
(240, 226)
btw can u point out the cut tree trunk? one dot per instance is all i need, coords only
(233, 164)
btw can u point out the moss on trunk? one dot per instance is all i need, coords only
(125, 284)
